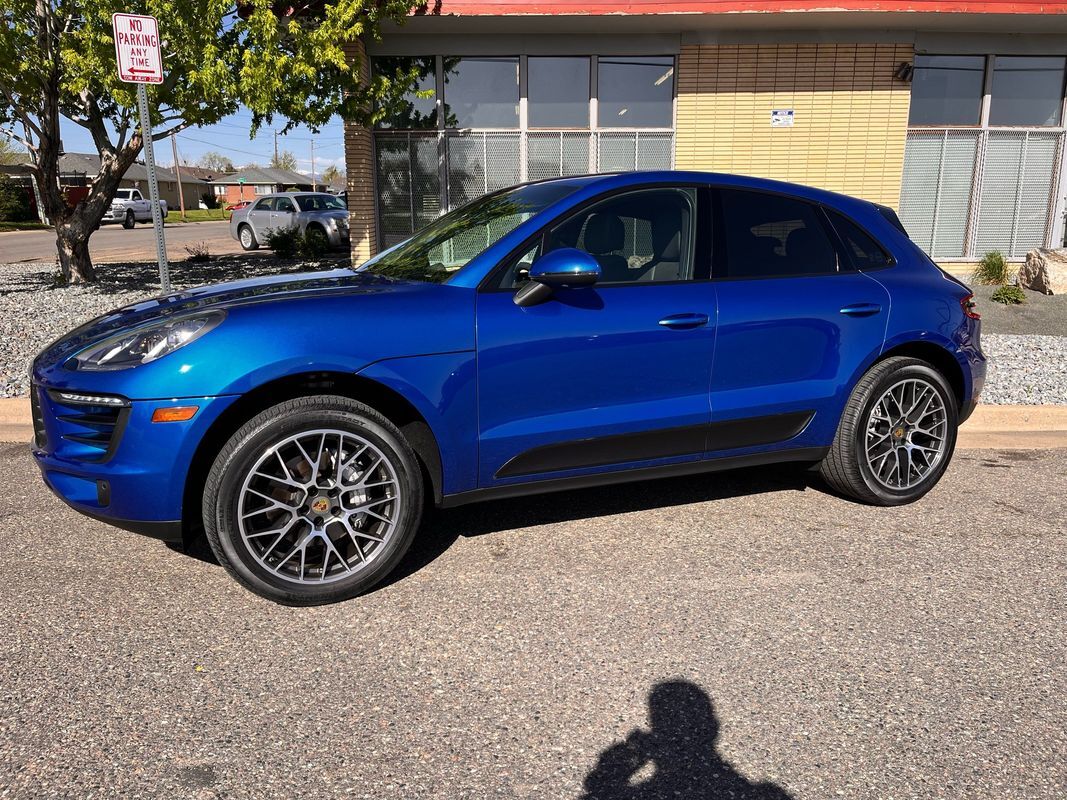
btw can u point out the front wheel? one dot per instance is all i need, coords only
(247, 237)
(129, 221)
(313, 501)
(896, 435)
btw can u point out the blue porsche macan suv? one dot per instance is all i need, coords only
(559, 334)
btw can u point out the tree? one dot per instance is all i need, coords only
(215, 161)
(332, 175)
(283, 160)
(9, 153)
(57, 59)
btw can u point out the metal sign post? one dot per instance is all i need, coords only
(140, 61)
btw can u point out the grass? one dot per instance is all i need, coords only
(1009, 295)
(23, 226)
(198, 215)
(992, 270)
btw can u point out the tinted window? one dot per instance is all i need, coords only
(1026, 91)
(482, 92)
(635, 92)
(319, 202)
(643, 236)
(408, 111)
(768, 235)
(284, 204)
(864, 252)
(264, 204)
(557, 92)
(947, 90)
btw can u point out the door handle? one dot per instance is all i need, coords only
(684, 321)
(861, 309)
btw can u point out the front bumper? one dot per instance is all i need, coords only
(125, 470)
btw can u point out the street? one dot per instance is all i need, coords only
(115, 243)
(740, 634)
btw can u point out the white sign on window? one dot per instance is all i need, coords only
(782, 118)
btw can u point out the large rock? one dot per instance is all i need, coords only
(1045, 271)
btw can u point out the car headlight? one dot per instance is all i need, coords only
(146, 344)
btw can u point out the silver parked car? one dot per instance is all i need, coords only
(313, 213)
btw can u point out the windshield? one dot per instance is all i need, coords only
(319, 202)
(447, 244)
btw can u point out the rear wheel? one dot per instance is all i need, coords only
(896, 435)
(313, 501)
(247, 237)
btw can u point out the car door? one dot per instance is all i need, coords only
(605, 376)
(283, 215)
(259, 217)
(796, 320)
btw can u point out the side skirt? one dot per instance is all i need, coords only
(628, 475)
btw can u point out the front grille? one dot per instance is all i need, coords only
(90, 431)
(40, 435)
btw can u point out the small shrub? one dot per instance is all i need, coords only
(210, 200)
(992, 270)
(14, 201)
(284, 241)
(198, 251)
(313, 244)
(1009, 295)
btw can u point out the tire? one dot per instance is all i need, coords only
(908, 452)
(129, 221)
(247, 237)
(286, 543)
(318, 235)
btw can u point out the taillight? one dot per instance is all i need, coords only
(969, 307)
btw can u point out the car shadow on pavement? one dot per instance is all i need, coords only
(441, 528)
(676, 758)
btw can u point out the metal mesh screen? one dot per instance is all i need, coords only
(554, 154)
(408, 183)
(625, 151)
(480, 163)
(935, 197)
(1016, 191)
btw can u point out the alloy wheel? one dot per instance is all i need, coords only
(319, 506)
(906, 434)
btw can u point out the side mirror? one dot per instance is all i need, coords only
(566, 267)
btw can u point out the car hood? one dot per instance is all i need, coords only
(223, 295)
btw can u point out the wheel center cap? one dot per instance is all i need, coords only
(320, 505)
(898, 432)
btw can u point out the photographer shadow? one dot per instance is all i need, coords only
(677, 758)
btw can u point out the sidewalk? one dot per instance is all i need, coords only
(994, 427)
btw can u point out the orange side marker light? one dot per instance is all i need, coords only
(174, 414)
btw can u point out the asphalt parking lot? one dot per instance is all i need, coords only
(739, 635)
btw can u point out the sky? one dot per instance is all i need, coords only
(230, 137)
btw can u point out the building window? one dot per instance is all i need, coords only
(947, 90)
(635, 92)
(1027, 91)
(409, 112)
(482, 92)
(263, 188)
(557, 92)
(220, 190)
(985, 179)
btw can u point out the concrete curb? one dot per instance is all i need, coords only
(998, 427)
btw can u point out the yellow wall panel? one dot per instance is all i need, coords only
(850, 114)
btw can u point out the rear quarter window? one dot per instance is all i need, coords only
(864, 252)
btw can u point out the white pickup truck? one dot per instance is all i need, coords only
(130, 207)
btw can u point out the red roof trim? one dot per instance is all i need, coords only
(637, 7)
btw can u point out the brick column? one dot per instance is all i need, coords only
(359, 164)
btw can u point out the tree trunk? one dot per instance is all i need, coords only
(72, 243)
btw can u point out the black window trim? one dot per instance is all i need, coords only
(719, 239)
(701, 249)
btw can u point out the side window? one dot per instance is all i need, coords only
(284, 204)
(136, 195)
(865, 252)
(639, 237)
(768, 235)
(263, 205)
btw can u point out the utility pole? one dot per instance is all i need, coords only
(178, 174)
(275, 145)
(313, 185)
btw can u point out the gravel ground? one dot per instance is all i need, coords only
(1044, 314)
(1026, 369)
(33, 311)
(749, 634)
